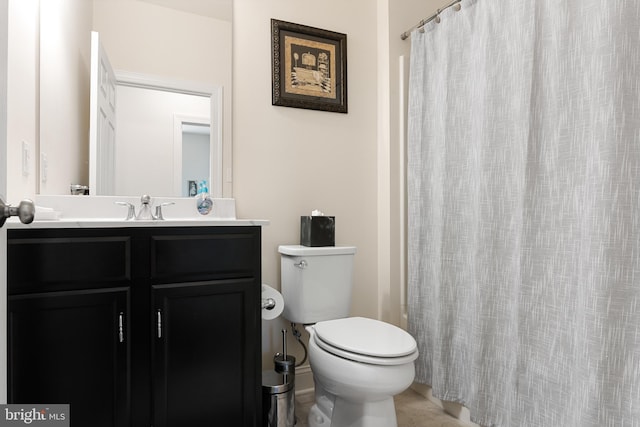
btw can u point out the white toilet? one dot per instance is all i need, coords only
(358, 364)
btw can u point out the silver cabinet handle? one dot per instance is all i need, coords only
(159, 322)
(121, 326)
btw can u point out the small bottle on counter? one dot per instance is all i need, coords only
(203, 200)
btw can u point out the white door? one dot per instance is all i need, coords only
(26, 208)
(4, 44)
(102, 121)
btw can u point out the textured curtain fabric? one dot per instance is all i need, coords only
(524, 210)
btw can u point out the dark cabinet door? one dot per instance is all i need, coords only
(204, 354)
(72, 347)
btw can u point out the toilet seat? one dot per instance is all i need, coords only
(366, 340)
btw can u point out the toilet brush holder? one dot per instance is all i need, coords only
(278, 390)
(278, 400)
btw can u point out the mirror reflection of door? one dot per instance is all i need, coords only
(195, 156)
(148, 157)
(102, 135)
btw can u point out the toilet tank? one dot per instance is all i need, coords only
(316, 282)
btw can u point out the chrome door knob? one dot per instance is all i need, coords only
(25, 211)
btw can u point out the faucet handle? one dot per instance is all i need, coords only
(158, 216)
(131, 213)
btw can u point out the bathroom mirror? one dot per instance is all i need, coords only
(171, 47)
(166, 137)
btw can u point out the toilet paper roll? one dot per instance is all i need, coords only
(271, 298)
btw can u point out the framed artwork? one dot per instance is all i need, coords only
(309, 67)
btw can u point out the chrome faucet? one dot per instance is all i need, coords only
(145, 210)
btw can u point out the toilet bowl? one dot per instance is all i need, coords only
(358, 365)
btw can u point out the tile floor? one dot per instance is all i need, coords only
(412, 410)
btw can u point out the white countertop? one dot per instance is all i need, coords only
(103, 212)
(14, 223)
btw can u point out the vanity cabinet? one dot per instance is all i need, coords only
(137, 326)
(64, 348)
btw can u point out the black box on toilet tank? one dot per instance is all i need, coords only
(318, 230)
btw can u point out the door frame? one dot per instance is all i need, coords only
(4, 65)
(178, 121)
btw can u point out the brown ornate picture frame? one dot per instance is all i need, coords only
(309, 67)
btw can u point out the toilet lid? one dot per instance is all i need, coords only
(372, 339)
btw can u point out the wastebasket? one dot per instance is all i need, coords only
(278, 405)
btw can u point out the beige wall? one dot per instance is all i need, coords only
(289, 161)
(64, 58)
(49, 94)
(22, 114)
(145, 38)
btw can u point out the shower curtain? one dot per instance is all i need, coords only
(524, 210)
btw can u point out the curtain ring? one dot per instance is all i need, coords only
(437, 19)
(457, 7)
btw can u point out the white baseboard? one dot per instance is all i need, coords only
(304, 380)
(454, 409)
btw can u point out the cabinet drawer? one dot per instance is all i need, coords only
(46, 264)
(196, 257)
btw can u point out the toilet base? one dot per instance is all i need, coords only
(355, 414)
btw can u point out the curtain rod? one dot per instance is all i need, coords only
(435, 16)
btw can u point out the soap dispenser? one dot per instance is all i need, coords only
(145, 208)
(203, 201)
